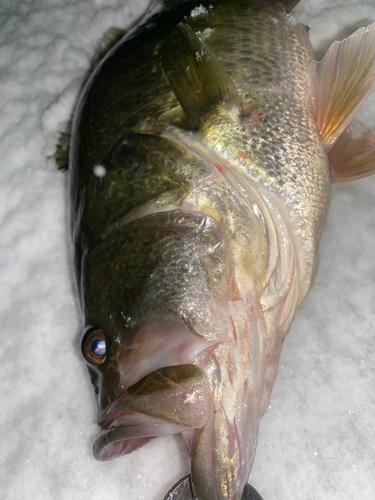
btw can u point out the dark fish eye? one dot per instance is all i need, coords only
(98, 347)
(94, 346)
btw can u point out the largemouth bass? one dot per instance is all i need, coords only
(203, 151)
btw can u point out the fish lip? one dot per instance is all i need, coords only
(111, 441)
(108, 419)
(116, 414)
(127, 424)
(124, 431)
(113, 419)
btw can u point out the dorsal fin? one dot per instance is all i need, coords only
(342, 81)
(195, 76)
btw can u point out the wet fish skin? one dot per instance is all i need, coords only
(196, 239)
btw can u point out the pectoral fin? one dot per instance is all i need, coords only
(353, 154)
(195, 75)
(342, 81)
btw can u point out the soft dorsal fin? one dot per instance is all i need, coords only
(342, 81)
(196, 77)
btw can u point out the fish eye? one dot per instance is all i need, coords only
(94, 346)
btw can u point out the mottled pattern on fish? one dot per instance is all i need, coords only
(196, 238)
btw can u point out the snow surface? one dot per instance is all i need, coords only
(317, 440)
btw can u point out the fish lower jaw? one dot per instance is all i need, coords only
(118, 448)
(129, 431)
(115, 418)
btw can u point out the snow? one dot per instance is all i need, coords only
(316, 441)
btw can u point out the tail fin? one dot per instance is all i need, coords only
(342, 81)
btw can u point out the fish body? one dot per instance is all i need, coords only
(200, 183)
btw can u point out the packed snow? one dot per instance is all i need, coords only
(317, 440)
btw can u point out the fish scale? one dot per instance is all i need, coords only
(279, 149)
(200, 186)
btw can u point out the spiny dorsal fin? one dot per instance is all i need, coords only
(353, 154)
(196, 77)
(342, 81)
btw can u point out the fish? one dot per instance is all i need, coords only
(203, 150)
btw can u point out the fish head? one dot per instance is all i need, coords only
(169, 344)
(154, 296)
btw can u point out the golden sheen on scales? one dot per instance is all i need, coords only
(203, 150)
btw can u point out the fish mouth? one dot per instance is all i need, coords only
(129, 431)
(115, 418)
(167, 401)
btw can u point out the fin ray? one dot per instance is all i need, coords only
(195, 75)
(353, 155)
(342, 81)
